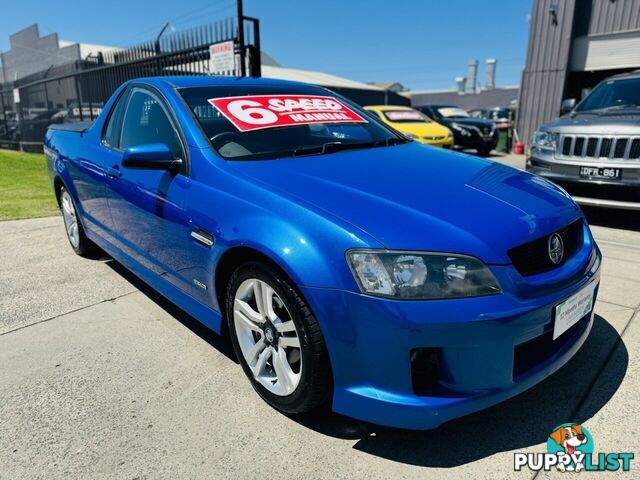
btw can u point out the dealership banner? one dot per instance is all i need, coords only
(269, 111)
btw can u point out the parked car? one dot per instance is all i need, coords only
(76, 113)
(502, 117)
(469, 133)
(413, 124)
(9, 126)
(593, 149)
(400, 284)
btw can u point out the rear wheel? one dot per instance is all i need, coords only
(277, 339)
(73, 226)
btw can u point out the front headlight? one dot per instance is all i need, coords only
(460, 128)
(410, 135)
(417, 275)
(545, 139)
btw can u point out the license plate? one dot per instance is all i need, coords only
(595, 172)
(573, 309)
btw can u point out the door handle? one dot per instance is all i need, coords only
(114, 172)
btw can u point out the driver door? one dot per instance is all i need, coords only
(147, 206)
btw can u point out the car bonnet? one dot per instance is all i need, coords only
(415, 197)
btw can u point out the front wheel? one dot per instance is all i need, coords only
(73, 226)
(484, 151)
(277, 339)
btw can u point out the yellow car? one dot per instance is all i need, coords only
(414, 124)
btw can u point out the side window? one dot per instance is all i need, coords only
(112, 132)
(146, 121)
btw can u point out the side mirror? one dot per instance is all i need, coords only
(153, 156)
(567, 106)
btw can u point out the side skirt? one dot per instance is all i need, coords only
(204, 314)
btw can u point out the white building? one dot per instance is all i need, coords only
(30, 53)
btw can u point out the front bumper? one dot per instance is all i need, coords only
(445, 142)
(622, 193)
(483, 344)
(475, 140)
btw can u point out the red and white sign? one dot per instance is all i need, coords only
(270, 111)
(222, 59)
(404, 115)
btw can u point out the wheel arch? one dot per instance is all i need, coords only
(239, 255)
(234, 257)
(58, 183)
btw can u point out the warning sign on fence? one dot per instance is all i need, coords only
(222, 59)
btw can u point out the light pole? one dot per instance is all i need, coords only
(157, 42)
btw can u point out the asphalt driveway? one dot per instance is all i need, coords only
(102, 378)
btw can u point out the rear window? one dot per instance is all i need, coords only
(234, 142)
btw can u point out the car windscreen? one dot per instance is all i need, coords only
(613, 93)
(452, 112)
(499, 114)
(245, 122)
(405, 116)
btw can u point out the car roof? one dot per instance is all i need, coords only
(212, 81)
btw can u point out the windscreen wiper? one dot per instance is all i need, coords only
(621, 106)
(331, 147)
(597, 111)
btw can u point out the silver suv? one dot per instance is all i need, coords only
(593, 149)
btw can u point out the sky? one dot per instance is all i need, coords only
(423, 44)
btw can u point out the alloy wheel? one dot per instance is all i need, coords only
(70, 219)
(267, 336)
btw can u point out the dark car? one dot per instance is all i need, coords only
(501, 116)
(468, 132)
(593, 149)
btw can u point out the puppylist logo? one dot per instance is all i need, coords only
(570, 449)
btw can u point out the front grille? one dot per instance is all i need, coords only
(533, 257)
(596, 147)
(634, 152)
(621, 146)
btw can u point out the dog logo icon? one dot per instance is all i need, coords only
(570, 449)
(570, 441)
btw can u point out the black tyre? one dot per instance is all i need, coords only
(73, 226)
(484, 151)
(277, 339)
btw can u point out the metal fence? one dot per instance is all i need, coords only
(78, 91)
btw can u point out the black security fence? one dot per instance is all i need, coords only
(78, 91)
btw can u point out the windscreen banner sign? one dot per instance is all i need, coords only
(269, 111)
(404, 116)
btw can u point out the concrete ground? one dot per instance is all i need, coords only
(102, 378)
